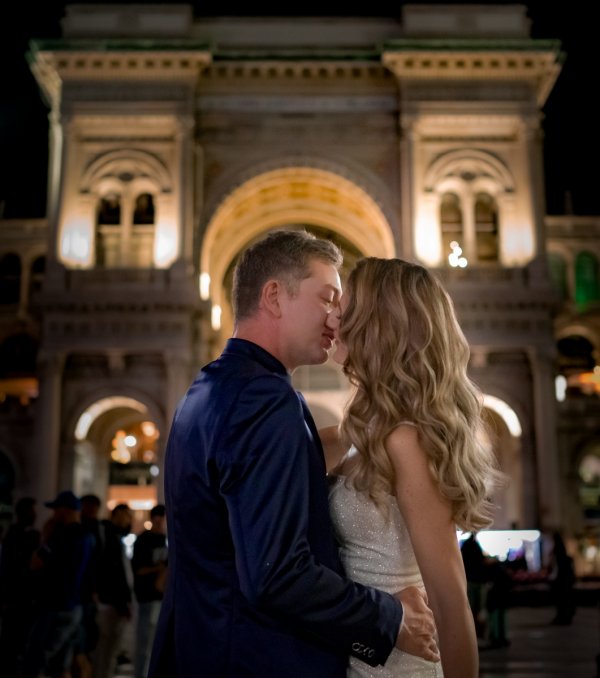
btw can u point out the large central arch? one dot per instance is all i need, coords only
(284, 196)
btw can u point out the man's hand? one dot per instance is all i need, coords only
(417, 633)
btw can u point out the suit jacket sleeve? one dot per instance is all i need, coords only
(264, 480)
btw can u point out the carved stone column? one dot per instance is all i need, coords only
(178, 380)
(406, 149)
(44, 461)
(56, 169)
(533, 139)
(186, 154)
(546, 444)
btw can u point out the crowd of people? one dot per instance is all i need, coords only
(68, 591)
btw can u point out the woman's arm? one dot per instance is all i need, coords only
(332, 447)
(428, 519)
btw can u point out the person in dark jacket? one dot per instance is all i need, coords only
(476, 574)
(17, 585)
(113, 589)
(562, 582)
(149, 565)
(61, 561)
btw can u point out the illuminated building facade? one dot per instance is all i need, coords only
(176, 141)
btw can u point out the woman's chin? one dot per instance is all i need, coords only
(339, 355)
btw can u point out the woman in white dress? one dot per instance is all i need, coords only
(406, 464)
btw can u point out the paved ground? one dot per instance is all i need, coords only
(540, 650)
(537, 649)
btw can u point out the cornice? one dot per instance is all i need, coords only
(538, 62)
(55, 62)
(568, 226)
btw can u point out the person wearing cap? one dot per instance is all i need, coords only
(60, 563)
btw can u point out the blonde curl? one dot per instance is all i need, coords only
(407, 360)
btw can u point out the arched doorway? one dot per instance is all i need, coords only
(588, 478)
(504, 435)
(117, 441)
(290, 197)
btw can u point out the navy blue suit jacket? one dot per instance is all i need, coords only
(255, 586)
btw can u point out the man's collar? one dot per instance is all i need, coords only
(249, 349)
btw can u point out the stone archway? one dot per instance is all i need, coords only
(504, 432)
(285, 197)
(116, 445)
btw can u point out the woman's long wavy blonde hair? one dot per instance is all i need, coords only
(407, 359)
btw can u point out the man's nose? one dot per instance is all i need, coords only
(333, 318)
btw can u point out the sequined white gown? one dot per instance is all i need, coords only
(377, 553)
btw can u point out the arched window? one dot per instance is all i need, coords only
(109, 210)
(10, 279)
(125, 229)
(587, 284)
(144, 209)
(451, 220)
(557, 267)
(36, 279)
(575, 355)
(108, 231)
(142, 235)
(486, 228)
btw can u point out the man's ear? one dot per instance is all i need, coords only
(270, 297)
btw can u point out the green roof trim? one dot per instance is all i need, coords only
(117, 45)
(473, 45)
(300, 54)
(312, 53)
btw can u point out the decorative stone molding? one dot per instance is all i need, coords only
(58, 62)
(535, 62)
(325, 68)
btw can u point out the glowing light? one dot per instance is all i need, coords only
(587, 382)
(500, 543)
(120, 452)
(130, 441)
(215, 317)
(204, 284)
(427, 238)
(560, 387)
(154, 471)
(149, 429)
(506, 412)
(455, 257)
(517, 243)
(165, 245)
(148, 524)
(75, 243)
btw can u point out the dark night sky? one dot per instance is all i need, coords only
(572, 132)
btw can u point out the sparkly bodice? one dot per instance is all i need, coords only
(376, 550)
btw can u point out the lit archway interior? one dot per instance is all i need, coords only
(281, 198)
(116, 456)
(504, 435)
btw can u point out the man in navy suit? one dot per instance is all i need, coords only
(255, 587)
